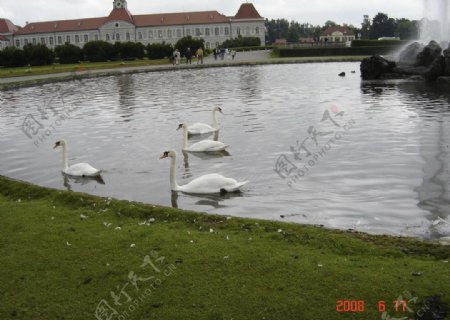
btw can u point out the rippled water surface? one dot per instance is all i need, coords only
(317, 148)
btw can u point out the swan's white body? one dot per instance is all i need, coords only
(210, 183)
(78, 169)
(201, 146)
(203, 128)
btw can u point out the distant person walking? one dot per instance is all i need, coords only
(233, 53)
(188, 55)
(199, 55)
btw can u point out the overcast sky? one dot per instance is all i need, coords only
(312, 11)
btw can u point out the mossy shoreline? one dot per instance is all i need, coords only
(66, 255)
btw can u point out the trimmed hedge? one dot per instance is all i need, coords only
(240, 49)
(323, 51)
(379, 43)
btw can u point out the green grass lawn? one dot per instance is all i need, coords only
(85, 66)
(66, 255)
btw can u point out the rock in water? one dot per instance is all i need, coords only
(447, 61)
(429, 54)
(435, 70)
(375, 67)
(408, 56)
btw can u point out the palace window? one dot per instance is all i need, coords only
(160, 34)
(227, 31)
(43, 40)
(216, 31)
(50, 41)
(197, 32)
(59, 40)
(140, 35)
(25, 42)
(128, 36)
(169, 33)
(150, 34)
(34, 41)
(206, 31)
(77, 38)
(96, 37)
(68, 39)
(178, 33)
(18, 43)
(238, 31)
(107, 37)
(257, 30)
(188, 32)
(117, 36)
(86, 38)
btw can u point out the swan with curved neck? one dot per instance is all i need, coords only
(78, 169)
(203, 128)
(201, 146)
(210, 183)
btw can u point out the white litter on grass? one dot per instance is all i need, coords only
(68, 244)
(279, 230)
(83, 217)
(226, 257)
(118, 228)
(147, 222)
(106, 224)
(132, 245)
(19, 200)
(52, 218)
(211, 230)
(320, 265)
(228, 238)
(192, 241)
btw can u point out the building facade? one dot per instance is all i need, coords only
(337, 34)
(121, 26)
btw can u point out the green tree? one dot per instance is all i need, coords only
(98, 51)
(382, 26)
(129, 50)
(365, 27)
(329, 24)
(407, 29)
(69, 53)
(11, 57)
(189, 42)
(159, 50)
(38, 55)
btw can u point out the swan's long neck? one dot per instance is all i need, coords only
(173, 175)
(64, 157)
(215, 122)
(185, 138)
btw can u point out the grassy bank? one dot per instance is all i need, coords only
(63, 253)
(85, 66)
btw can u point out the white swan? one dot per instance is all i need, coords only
(79, 169)
(210, 183)
(201, 146)
(203, 128)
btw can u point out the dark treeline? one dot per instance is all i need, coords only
(380, 26)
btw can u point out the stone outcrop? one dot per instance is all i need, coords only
(415, 62)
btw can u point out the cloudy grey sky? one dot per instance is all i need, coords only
(312, 11)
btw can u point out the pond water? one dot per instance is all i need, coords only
(317, 148)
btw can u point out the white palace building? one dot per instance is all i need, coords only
(121, 25)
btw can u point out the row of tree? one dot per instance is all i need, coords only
(99, 51)
(380, 26)
(93, 51)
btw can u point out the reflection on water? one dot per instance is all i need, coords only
(69, 180)
(388, 174)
